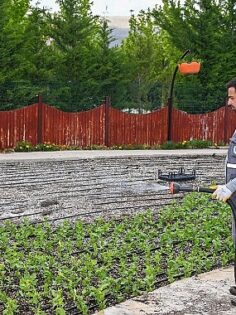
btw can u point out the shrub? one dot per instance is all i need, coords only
(46, 147)
(169, 145)
(191, 144)
(23, 146)
(199, 144)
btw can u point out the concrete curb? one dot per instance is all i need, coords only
(91, 154)
(207, 294)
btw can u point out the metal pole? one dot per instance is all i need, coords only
(170, 99)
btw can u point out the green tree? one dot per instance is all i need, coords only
(149, 65)
(74, 33)
(13, 20)
(109, 71)
(12, 23)
(195, 25)
(25, 56)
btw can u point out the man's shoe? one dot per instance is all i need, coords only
(232, 290)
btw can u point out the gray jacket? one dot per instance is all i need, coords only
(231, 165)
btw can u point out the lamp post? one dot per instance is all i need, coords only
(170, 98)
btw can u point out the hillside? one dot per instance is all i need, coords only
(120, 27)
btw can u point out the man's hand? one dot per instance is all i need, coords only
(222, 193)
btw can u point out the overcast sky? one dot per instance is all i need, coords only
(108, 7)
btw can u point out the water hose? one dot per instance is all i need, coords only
(176, 188)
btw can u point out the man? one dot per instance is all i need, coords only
(224, 192)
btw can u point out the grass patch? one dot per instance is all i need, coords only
(80, 268)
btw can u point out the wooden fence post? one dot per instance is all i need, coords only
(226, 139)
(107, 105)
(40, 118)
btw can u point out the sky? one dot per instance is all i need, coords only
(108, 7)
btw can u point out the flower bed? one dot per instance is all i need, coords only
(80, 268)
(26, 146)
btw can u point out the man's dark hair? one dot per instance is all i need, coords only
(231, 83)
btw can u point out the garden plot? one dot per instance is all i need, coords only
(111, 248)
(80, 268)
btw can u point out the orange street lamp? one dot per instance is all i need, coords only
(185, 69)
(189, 67)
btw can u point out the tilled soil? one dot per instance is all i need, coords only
(87, 188)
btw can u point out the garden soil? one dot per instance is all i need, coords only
(206, 294)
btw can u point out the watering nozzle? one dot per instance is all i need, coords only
(176, 188)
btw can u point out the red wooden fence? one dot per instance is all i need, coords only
(104, 125)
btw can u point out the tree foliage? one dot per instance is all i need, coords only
(195, 24)
(68, 56)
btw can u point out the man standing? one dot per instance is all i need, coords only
(224, 192)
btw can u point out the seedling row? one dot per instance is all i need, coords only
(80, 268)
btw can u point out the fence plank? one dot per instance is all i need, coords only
(105, 125)
(136, 129)
(208, 126)
(17, 125)
(74, 129)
